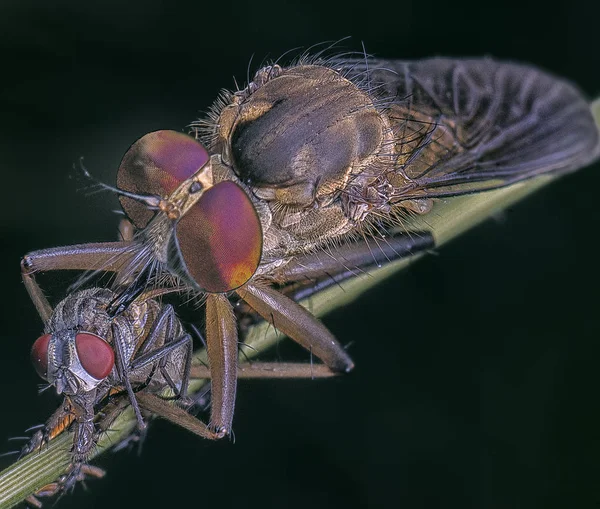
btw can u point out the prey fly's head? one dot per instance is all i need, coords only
(75, 362)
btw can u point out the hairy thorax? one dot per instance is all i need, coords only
(312, 148)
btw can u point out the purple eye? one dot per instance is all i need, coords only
(157, 164)
(96, 355)
(39, 355)
(220, 238)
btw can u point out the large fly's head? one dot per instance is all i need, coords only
(208, 234)
(298, 135)
(75, 362)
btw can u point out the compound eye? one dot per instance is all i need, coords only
(39, 355)
(95, 355)
(157, 164)
(220, 238)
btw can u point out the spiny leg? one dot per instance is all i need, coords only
(177, 416)
(123, 373)
(58, 422)
(81, 471)
(298, 323)
(309, 274)
(357, 256)
(164, 328)
(160, 354)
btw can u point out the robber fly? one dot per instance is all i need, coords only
(298, 174)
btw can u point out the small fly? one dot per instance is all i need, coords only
(306, 172)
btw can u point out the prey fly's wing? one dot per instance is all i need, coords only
(465, 126)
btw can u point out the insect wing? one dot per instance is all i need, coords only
(465, 126)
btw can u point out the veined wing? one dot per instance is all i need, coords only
(465, 126)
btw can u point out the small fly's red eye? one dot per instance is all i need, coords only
(96, 355)
(220, 238)
(157, 164)
(39, 355)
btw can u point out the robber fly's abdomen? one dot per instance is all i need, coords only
(471, 125)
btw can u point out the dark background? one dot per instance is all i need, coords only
(476, 381)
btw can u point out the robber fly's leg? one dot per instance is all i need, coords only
(106, 256)
(123, 373)
(177, 416)
(299, 324)
(272, 370)
(351, 259)
(222, 351)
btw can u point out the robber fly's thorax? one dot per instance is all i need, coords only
(311, 147)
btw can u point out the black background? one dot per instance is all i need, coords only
(475, 383)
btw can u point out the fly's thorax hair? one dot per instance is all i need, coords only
(82, 310)
(310, 141)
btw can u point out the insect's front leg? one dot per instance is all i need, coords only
(222, 350)
(59, 421)
(79, 471)
(105, 256)
(49, 490)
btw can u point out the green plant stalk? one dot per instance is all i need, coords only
(448, 219)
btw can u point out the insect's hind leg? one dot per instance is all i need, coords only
(351, 259)
(164, 327)
(297, 323)
(348, 260)
(272, 370)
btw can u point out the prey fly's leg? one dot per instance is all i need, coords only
(164, 327)
(59, 421)
(49, 490)
(80, 471)
(106, 256)
(121, 364)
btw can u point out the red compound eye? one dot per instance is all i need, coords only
(96, 355)
(39, 355)
(157, 164)
(220, 238)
